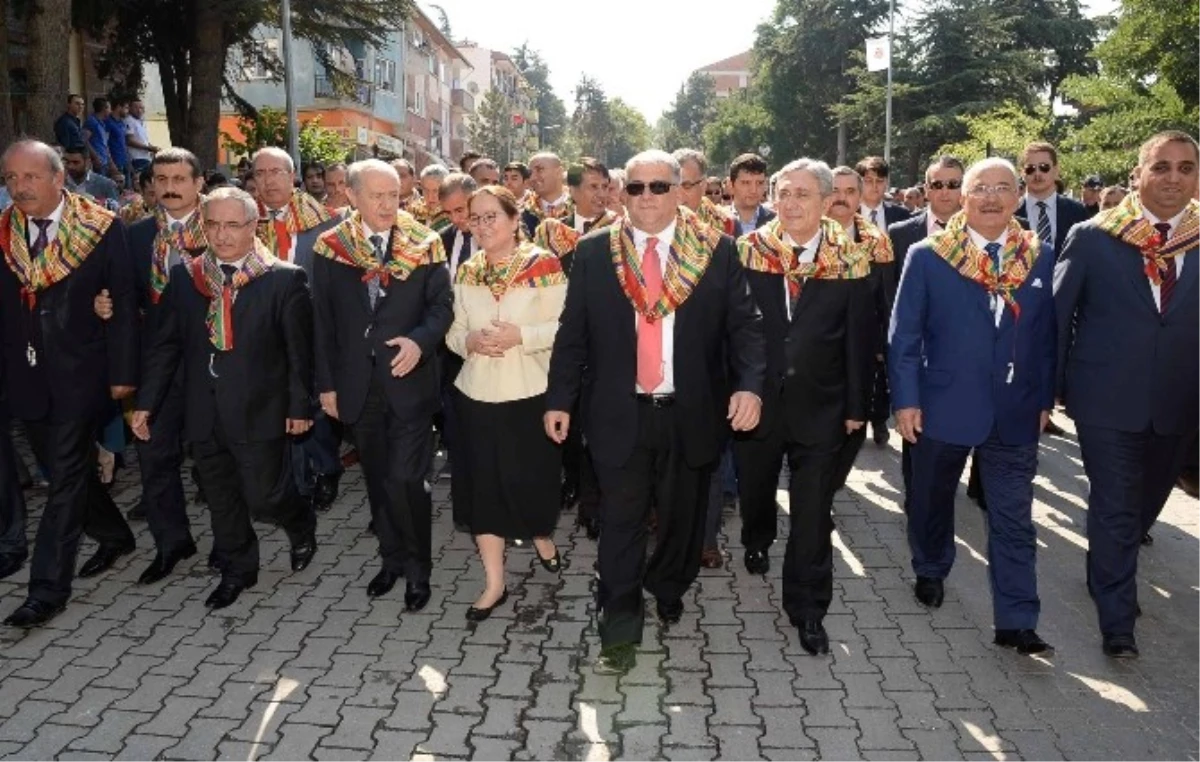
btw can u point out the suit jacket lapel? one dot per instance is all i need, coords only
(1187, 282)
(1134, 266)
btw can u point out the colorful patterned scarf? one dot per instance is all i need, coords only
(711, 214)
(412, 245)
(691, 252)
(529, 267)
(302, 213)
(1127, 223)
(560, 238)
(210, 282)
(837, 257)
(135, 210)
(84, 222)
(533, 205)
(431, 216)
(874, 241)
(188, 243)
(1021, 250)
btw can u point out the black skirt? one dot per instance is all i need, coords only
(513, 471)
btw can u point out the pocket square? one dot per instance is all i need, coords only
(1037, 283)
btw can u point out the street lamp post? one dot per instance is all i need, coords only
(289, 83)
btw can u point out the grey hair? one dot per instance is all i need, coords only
(652, 157)
(683, 155)
(53, 158)
(817, 169)
(844, 171)
(434, 170)
(405, 164)
(617, 175)
(457, 181)
(545, 155)
(983, 165)
(359, 168)
(229, 193)
(278, 153)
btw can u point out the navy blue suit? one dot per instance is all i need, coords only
(1129, 375)
(1067, 213)
(977, 386)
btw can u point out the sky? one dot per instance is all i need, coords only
(644, 68)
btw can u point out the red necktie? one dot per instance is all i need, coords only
(283, 240)
(1167, 287)
(649, 334)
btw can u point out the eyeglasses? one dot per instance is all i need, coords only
(483, 220)
(689, 185)
(215, 227)
(274, 172)
(1044, 168)
(657, 187)
(939, 185)
(714, 193)
(1001, 189)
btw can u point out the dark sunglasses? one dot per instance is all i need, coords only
(1044, 168)
(939, 185)
(658, 187)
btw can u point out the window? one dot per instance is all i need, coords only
(385, 75)
(254, 55)
(432, 64)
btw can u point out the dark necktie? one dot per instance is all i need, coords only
(993, 252)
(1167, 287)
(464, 252)
(374, 291)
(43, 239)
(939, 224)
(794, 291)
(1043, 223)
(230, 271)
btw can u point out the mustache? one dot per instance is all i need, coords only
(25, 197)
(841, 204)
(170, 195)
(991, 208)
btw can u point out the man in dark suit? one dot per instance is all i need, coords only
(1128, 314)
(943, 184)
(383, 307)
(547, 197)
(812, 284)
(239, 322)
(748, 179)
(1043, 209)
(874, 171)
(174, 235)
(460, 246)
(62, 364)
(972, 357)
(656, 349)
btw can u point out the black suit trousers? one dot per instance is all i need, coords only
(655, 474)
(77, 503)
(395, 455)
(161, 461)
(13, 543)
(244, 481)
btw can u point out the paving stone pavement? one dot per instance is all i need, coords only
(305, 666)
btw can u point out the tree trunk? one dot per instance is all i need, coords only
(7, 127)
(49, 27)
(207, 67)
(841, 142)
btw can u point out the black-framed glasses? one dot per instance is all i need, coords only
(657, 187)
(1044, 168)
(940, 185)
(484, 220)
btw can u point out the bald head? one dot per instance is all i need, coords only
(546, 175)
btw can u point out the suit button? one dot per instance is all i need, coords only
(791, 371)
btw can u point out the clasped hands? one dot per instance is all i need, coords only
(494, 340)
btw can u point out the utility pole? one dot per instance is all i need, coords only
(289, 84)
(887, 140)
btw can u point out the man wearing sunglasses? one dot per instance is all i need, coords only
(1044, 209)
(659, 314)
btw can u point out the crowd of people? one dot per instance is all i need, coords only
(643, 344)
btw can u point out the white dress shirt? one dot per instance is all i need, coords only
(1155, 289)
(809, 255)
(668, 323)
(455, 260)
(932, 227)
(880, 220)
(981, 242)
(1033, 213)
(582, 222)
(548, 205)
(289, 255)
(55, 217)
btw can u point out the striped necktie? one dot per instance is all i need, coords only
(1043, 224)
(1167, 287)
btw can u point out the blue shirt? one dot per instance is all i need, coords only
(5, 199)
(98, 140)
(116, 141)
(67, 131)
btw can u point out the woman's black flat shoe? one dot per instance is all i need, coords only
(553, 564)
(476, 615)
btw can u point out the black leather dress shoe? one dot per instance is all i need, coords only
(1027, 642)
(325, 491)
(383, 583)
(104, 559)
(813, 637)
(616, 660)
(227, 593)
(930, 591)
(1120, 646)
(164, 564)
(33, 613)
(669, 611)
(137, 512)
(303, 552)
(476, 615)
(757, 561)
(880, 433)
(590, 526)
(416, 595)
(10, 565)
(1053, 429)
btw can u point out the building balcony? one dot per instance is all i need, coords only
(360, 91)
(418, 127)
(461, 100)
